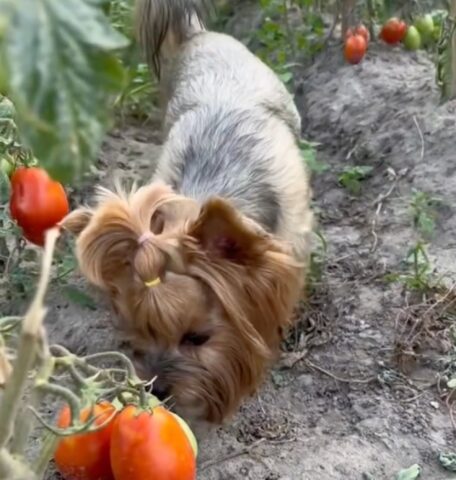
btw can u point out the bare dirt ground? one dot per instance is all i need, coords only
(337, 406)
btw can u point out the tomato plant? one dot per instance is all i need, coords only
(151, 445)
(393, 31)
(355, 49)
(37, 202)
(85, 456)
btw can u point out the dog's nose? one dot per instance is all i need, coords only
(160, 390)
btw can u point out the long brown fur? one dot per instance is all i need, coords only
(219, 273)
(205, 264)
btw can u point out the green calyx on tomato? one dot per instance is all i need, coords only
(37, 202)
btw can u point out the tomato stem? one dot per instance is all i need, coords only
(31, 337)
(113, 356)
(63, 392)
(12, 469)
(25, 422)
(41, 463)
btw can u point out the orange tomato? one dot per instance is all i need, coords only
(37, 202)
(393, 31)
(355, 49)
(150, 445)
(86, 456)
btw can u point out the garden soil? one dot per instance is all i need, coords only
(337, 406)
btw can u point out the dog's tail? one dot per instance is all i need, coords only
(164, 25)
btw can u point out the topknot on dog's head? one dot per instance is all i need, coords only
(130, 233)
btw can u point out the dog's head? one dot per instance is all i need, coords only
(203, 293)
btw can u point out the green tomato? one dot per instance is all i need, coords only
(425, 25)
(412, 40)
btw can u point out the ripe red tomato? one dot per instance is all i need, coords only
(37, 202)
(349, 33)
(363, 31)
(150, 446)
(393, 31)
(86, 456)
(359, 30)
(355, 49)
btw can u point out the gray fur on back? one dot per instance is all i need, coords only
(226, 114)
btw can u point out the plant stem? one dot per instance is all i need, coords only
(348, 7)
(371, 12)
(12, 469)
(47, 452)
(32, 331)
(26, 421)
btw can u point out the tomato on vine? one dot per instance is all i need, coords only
(37, 202)
(393, 31)
(355, 49)
(151, 445)
(86, 456)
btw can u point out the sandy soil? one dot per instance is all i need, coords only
(337, 406)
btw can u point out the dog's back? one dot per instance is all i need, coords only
(231, 126)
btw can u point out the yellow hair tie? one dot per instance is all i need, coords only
(153, 283)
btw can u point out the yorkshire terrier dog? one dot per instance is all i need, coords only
(205, 264)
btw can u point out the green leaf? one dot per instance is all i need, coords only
(286, 77)
(61, 70)
(448, 461)
(411, 473)
(7, 110)
(79, 297)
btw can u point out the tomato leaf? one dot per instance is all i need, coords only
(61, 69)
(411, 473)
(79, 297)
(448, 461)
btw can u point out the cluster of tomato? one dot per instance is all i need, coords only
(412, 36)
(37, 202)
(393, 32)
(131, 444)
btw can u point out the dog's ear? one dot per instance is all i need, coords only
(77, 220)
(223, 234)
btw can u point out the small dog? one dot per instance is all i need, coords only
(205, 264)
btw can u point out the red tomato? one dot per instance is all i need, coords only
(349, 33)
(37, 202)
(86, 456)
(363, 31)
(150, 446)
(355, 49)
(393, 31)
